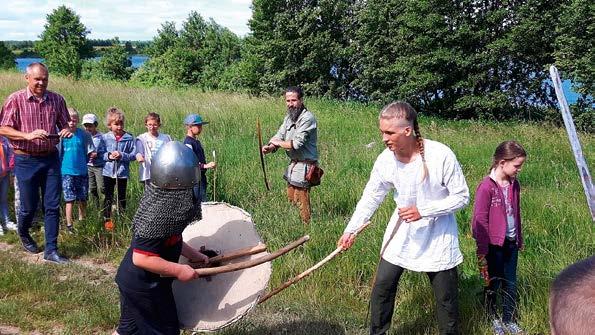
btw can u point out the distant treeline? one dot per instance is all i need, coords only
(456, 59)
(25, 49)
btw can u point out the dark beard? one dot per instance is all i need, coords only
(294, 113)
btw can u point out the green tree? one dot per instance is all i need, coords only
(7, 61)
(574, 54)
(303, 43)
(198, 54)
(113, 64)
(63, 43)
(458, 59)
(166, 38)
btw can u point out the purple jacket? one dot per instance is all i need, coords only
(489, 215)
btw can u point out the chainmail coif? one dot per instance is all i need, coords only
(165, 212)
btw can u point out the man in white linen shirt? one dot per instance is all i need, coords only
(421, 235)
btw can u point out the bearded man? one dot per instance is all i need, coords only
(298, 136)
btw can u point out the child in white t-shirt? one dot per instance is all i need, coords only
(147, 145)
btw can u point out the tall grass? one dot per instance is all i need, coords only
(557, 226)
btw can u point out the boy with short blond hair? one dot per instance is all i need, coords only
(74, 153)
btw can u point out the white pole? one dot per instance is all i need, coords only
(574, 142)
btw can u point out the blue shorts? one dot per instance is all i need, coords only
(75, 188)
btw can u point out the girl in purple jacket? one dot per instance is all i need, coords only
(497, 231)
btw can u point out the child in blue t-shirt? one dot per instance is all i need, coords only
(75, 151)
(194, 125)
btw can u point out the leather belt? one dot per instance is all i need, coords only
(34, 154)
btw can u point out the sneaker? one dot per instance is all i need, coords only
(54, 257)
(70, 229)
(513, 328)
(498, 327)
(11, 225)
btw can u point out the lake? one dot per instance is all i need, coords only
(22, 63)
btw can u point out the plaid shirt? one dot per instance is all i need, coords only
(24, 112)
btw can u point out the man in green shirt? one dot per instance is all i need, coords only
(298, 136)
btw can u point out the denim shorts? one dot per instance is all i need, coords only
(75, 188)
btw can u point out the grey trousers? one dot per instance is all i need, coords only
(382, 302)
(95, 183)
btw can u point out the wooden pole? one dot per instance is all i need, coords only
(253, 262)
(238, 253)
(309, 271)
(583, 169)
(215, 177)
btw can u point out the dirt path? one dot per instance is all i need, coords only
(30, 258)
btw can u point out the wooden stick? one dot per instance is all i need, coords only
(262, 163)
(252, 262)
(232, 254)
(215, 177)
(309, 271)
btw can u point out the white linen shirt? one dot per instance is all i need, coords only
(430, 244)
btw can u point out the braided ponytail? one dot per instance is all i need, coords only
(420, 147)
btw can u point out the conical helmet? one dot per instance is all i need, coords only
(175, 166)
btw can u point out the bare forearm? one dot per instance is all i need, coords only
(12, 134)
(156, 265)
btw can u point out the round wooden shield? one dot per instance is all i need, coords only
(211, 303)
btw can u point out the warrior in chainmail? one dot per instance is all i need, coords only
(151, 264)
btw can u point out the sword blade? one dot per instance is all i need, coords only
(574, 142)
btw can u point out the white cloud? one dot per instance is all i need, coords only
(24, 20)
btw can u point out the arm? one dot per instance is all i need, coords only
(158, 265)
(373, 195)
(14, 134)
(305, 127)
(193, 255)
(140, 151)
(458, 192)
(279, 136)
(89, 146)
(480, 220)
(106, 152)
(129, 152)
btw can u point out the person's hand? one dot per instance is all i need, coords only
(409, 214)
(65, 133)
(115, 155)
(186, 273)
(198, 259)
(37, 134)
(92, 155)
(268, 148)
(140, 158)
(346, 241)
(482, 264)
(210, 165)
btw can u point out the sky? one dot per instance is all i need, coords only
(25, 20)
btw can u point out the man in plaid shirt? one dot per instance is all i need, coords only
(34, 119)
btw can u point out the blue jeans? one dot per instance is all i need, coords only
(502, 263)
(200, 192)
(36, 174)
(4, 181)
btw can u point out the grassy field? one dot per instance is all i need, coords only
(80, 300)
